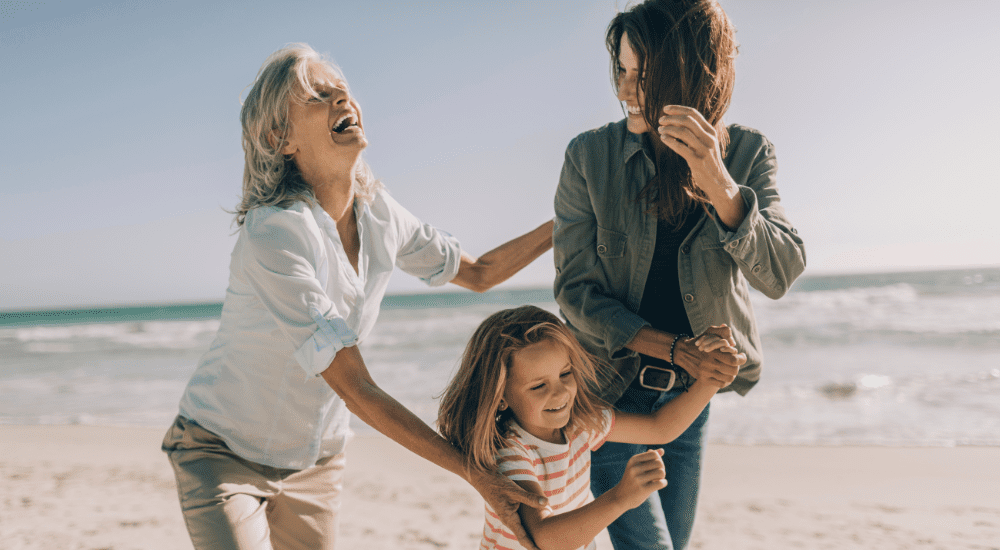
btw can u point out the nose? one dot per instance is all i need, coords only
(562, 391)
(626, 88)
(340, 97)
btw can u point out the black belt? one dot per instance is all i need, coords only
(661, 378)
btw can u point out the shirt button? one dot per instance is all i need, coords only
(756, 269)
(601, 249)
(686, 249)
(688, 298)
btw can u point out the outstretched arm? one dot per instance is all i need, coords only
(670, 420)
(349, 377)
(501, 263)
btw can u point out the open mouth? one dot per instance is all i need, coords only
(557, 409)
(345, 122)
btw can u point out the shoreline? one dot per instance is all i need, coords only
(111, 487)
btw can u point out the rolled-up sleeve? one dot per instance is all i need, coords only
(284, 254)
(425, 252)
(765, 246)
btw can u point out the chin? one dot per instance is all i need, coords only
(637, 126)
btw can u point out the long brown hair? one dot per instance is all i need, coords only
(469, 417)
(686, 51)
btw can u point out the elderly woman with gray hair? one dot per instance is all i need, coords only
(258, 446)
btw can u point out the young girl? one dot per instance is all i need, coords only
(522, 403)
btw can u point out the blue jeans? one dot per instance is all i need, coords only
(664, 521)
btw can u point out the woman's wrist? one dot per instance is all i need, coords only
(682, 356)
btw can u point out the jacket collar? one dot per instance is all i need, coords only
(633, 144)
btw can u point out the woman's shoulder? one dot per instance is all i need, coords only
(265, 220)
(606, 137)
(743, 136)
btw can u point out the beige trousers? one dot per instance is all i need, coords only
(233, 504)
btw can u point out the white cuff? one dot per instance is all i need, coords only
(331, 336)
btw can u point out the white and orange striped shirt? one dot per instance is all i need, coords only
(562, 469)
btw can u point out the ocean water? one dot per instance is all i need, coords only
(889, 359)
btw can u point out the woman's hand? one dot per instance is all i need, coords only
(686, 132)
(711, 357)
(504, 496)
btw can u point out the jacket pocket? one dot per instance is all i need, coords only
(717, 268)
(610, 244)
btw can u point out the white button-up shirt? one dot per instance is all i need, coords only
(293, 302)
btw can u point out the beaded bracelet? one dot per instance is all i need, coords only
(674, 345)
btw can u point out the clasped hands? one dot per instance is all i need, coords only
(711, 357)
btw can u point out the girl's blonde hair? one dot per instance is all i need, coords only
(270, 178)
(469, 417)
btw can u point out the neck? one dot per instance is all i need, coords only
(334, 190)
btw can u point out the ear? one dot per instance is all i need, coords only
(290, 147)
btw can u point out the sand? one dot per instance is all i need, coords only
(90, 488)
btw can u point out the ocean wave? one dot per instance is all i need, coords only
(149, 335)
(897, 312)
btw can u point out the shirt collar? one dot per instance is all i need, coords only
(323, 218)
(634, 143)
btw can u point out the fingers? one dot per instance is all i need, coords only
(680, 138)
(520, 496)
(711, 342)
(513, 522)
(722, 331)
(690, 113)
(722, 374)
(647, 469)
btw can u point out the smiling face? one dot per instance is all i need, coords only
(541, 389)
(629, 91)
(325, 129)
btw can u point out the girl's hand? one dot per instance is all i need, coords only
(686, 132)
(505, 496)
(644, 474)
(712, 342)
(717, 367)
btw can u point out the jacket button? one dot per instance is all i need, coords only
(688, 298)
(686, 249)
(601, 249)
(756, 269)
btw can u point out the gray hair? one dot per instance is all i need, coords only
(269, 178)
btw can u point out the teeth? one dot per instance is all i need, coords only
(343, 123)
(633, 110)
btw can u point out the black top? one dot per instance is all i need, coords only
(662, 305)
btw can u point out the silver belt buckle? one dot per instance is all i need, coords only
(657, 378)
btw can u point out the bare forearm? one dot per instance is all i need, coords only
(381, 411)
(652, 342)
(576, 528)
(673, 418)
(501, 263)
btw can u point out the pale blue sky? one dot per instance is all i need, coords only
(119, 145)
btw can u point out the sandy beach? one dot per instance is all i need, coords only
(103, 488)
